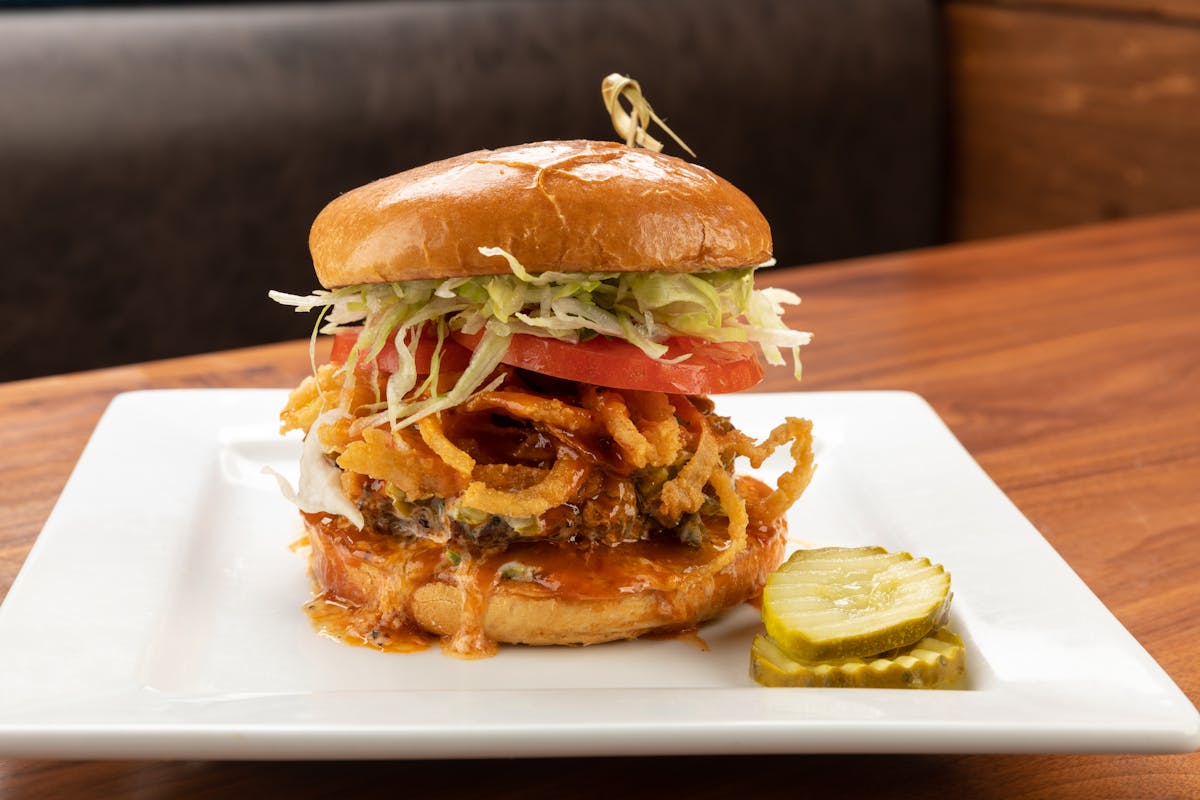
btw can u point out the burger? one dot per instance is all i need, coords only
(512, 441)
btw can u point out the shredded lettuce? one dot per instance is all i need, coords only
(320, 487)
(642, 308)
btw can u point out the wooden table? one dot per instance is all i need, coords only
(1068, 363)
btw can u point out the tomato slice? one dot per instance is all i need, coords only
(713, 368)
(454, 356)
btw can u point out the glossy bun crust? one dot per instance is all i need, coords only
(569, 206)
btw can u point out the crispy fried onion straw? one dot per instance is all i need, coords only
(612, 411)
(792, 483)
(649, 428)
(315, 395)
(684, 494)
(734, 506)
(658, 424)
(524, 405)
(403, 460)
(633, 124)
(431, 431)
(560, 483)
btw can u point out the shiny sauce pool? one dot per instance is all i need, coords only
(344, 622)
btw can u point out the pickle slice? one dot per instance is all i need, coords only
(932, 663)
(852, 602)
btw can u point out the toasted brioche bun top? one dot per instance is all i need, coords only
(570, 206)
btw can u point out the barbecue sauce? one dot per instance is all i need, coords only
(347, 623)
(346, 562)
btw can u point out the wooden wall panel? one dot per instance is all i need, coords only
(1060, 117)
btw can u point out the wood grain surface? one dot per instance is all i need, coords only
(1165, 10)
(1067, 114)
(1067, 363)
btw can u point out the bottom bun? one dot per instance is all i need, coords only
(517, 618)
(567, 595)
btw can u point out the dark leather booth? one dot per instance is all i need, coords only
(160, 165)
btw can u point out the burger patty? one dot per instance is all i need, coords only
(614, 502)
(609, 509)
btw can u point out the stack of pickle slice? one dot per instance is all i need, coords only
(857, 617)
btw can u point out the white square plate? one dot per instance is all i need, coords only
(159, 616)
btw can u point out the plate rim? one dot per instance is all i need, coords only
(108, 731)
